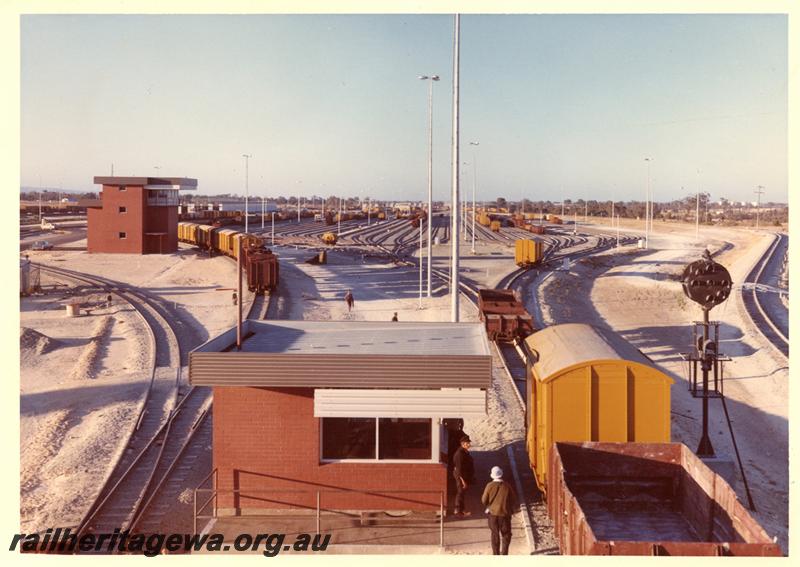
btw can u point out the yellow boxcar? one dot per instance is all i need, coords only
(527, 252)
(204, 235)
(588, 384)
(494, 226)
(225, 241)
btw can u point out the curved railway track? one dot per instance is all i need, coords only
(119, 497)
(764, 307)
(192, 434)
(172, 427)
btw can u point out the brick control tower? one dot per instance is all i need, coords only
(136, 215)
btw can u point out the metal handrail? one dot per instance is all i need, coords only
(215, 492)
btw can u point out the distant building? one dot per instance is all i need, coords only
(136, 215)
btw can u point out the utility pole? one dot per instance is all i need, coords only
(697, 211)
(474, 183)
(454, 315)
(647, 206)
(759, 191)
(431, 79)
(420, 263)
(246, 191)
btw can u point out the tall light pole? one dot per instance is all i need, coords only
(474, 181)
(430, 79)
(455, 164)
(647, 206)
(246, 191)
(697, 211)
(759, 191)
(420, 265)
(298, 201)
(262, 213)
(464, 206)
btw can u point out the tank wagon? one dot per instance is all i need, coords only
(646, 499)
(504, 315)
(528, 253)
(261, 265)
(329, 238)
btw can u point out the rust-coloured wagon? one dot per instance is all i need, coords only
(504, 315)
(646, 499)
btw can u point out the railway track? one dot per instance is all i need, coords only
(194, 430)
(120, 495)
(764, 307)
(171, 431)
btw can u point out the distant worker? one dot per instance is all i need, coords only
(500, 501)
(348, 298)
(235, 298)
(108, 300)
(463, 473)
(394, 318)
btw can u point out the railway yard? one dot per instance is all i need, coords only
(115, 436)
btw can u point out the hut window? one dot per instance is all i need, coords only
(348, 438)
(404, 438)
(371, 439)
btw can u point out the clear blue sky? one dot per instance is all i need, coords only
(562, 105)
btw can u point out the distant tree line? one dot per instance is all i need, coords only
(684, 209)
(54, 195)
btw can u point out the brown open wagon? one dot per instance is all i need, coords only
(504, 315)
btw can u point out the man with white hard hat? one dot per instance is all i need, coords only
(500, 502)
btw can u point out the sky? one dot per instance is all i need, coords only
(563, 106)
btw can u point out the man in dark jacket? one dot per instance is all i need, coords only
(464, 473)
(500, 502)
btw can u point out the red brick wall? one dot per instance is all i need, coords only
(104, 225)
(266, 443)
(161, 219)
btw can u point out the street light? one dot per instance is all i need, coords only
(647, 206)
(474, 182)
(454, 260)
(246, 189)
(431, 80)
(759, 191)
(298, 201)
(262, 213)
(697, 211)
(464, 206)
